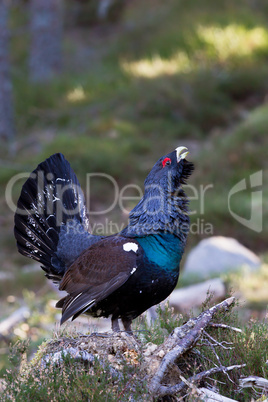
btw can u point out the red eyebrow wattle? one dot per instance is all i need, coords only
(165, 161)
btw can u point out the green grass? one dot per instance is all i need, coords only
(236, 155)
(72, 381)
(209, 57)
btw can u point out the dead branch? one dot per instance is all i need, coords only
(195, 379)
(254, 381)
(181, 340)
(207, 395)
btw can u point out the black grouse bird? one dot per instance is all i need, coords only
(120, 275)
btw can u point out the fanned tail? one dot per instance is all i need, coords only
(51, 223)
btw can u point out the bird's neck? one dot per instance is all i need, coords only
(164, 250)
(160, 212)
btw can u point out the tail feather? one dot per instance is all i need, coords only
(50, 200)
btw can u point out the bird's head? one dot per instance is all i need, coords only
(163, 206)
(170, 171)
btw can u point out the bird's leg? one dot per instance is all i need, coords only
(115, 325)
(127, 325)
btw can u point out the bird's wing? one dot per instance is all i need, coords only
(98, 272)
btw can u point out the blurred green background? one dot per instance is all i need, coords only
(165, 74)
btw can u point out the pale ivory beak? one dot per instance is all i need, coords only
(180, 154)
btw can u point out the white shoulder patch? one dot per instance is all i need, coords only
(130, 247)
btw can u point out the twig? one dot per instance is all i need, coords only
(224, 326)
(212, 346)
(216, 343)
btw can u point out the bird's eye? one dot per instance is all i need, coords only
(166, 162)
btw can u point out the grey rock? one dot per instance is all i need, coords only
(184, 299)
(217, 255)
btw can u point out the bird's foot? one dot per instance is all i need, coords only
(126, 324)
(115, 325)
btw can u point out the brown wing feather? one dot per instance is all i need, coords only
(95, 274)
